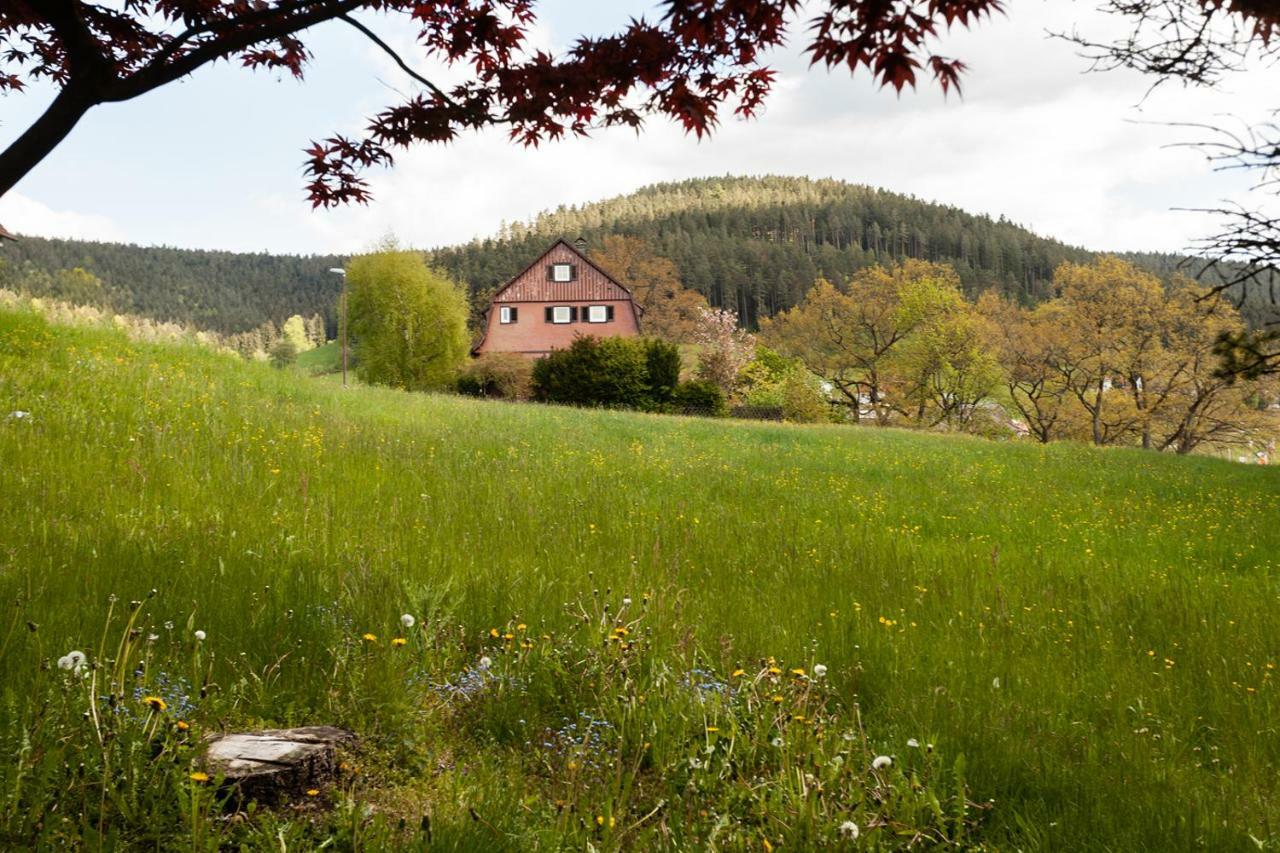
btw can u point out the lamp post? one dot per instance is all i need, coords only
(340, 271)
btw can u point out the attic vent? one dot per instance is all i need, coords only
(580, 244)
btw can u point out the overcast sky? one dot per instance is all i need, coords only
(215, 161)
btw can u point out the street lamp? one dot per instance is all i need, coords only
(340, 271)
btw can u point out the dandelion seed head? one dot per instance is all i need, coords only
(407, 620)
(881, 761)
(819, 670)
(849, 830)
(200, 635)
(72, 660)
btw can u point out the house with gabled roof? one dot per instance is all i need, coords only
(559, 296)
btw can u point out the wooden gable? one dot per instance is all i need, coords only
(588, 284)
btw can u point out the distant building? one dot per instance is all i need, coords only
(557, 297)
(5, 234)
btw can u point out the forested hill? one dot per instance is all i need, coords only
(756, 244)
(218, 291)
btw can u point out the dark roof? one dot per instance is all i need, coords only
(6, 234)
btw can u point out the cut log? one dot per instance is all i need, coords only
(276, 764)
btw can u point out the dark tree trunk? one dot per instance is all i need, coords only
(43, 136)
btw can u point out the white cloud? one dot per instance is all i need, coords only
(24, 215)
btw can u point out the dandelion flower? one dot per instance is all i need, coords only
(199, 777)
(182, 725)
(486, 662)
(370, 638)
(738, 673)
(712, 729)
(798, 672)
(155, 703)
(495, 633)
(200, 635)
(626, 602)
(819, 670)
(849, 830)
(913, 743)
(407, 620)
(73, 660)
(881, 761)
(399, 641)
(313, 792)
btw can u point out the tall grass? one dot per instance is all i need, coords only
(1095, 631)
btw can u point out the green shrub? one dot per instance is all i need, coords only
(664, 369)
(802, 399)
(699, 396)
(612, 372)
(284, 352)
(497, 374)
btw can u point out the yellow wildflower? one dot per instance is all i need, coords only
(370, 638)
(313, 792)
(199, 777)
(183, 725)
(495, 633)
(738, 673)
(399, 641)
(155, 703)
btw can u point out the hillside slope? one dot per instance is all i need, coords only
(1094, 631)
(755, 244)
(224, 292)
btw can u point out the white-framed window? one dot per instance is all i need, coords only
(562, 272)
(562, 314)
(508, 314)
(598, 313)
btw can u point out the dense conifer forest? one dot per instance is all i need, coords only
(224, 292)
(756, 245)
(753, 244)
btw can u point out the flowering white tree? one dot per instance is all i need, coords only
(726, 348)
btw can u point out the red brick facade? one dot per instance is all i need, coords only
(535, 313)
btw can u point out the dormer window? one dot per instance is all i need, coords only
(562, 272)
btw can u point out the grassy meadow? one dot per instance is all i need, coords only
(1060, 647)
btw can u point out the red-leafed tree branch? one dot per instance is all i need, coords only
(696, 60)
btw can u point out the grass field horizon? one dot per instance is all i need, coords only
(1093, 630)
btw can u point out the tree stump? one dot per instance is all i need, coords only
(274, 764)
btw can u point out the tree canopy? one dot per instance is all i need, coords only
(408, 321)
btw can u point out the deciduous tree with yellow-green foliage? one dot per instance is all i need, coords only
(851, 334)
(408, 322)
